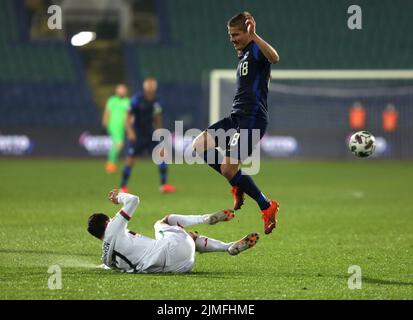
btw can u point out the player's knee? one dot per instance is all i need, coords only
(197, 143)
(165, 219)
(228, 171)
(202, 142)
(193, 235)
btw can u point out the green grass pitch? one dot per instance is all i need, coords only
(333, 215)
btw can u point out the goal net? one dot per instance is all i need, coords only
(313, 112)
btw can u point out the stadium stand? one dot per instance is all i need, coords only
(198, 41)
(42, 84)
(194, 40)
(47, 76)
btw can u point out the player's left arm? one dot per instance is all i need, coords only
(268, 51)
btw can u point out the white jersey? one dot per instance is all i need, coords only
(172, 251)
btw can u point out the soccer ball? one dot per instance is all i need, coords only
(362, 144)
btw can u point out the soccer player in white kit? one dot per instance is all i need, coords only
(172, 250)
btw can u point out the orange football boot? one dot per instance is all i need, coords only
(168, 188)
(239, 197)
(245, 243)
(111, 167)
(269, 216)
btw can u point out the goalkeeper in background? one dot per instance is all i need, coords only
(114, 122)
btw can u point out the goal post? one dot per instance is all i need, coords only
(217, 75)
(303, 103)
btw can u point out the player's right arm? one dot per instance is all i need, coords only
(129, 204)
(267, 50)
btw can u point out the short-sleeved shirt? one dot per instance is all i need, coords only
(117, 108)
(253, 75)
(143, 112)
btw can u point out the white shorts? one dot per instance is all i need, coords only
(181, 247)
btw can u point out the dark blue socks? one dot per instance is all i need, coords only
(214, 159)
(246, 184)
(125, 175)
(163, 171)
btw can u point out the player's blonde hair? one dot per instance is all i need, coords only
(238, 21)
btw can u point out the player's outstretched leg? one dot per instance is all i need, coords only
(206, 244)
(222, 215)
(245, 243)
(190, 220)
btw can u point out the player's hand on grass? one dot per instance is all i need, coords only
(250, 23)
(113, 196)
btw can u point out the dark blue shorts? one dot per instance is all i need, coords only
(239, 146)
(142, 147)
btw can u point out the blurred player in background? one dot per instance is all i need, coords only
(357, 116)
(144, 116)
(390, 116)
(172, 250)
(113, 121)
(249, 111)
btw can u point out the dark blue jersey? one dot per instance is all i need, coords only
(253, 75)
(143, 112)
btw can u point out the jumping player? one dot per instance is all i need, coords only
(249, 111)
(172, 250)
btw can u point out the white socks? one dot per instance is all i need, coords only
(185, 220)
(202, 243)
(205, 244)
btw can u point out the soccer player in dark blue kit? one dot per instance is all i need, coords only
(144, 116)
(249, 111)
